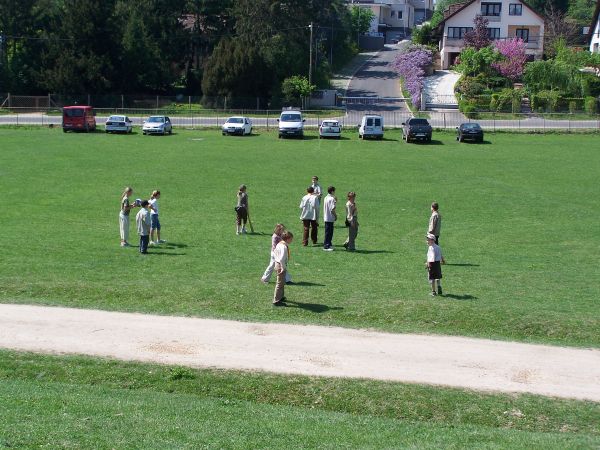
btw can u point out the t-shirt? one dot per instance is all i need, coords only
(310, 207)
(275, 239)
(351, 212)
(317, 188)
(125, 206)
(142, 222)
(435, 223)
(242, 200)
(154, 206)
(434, 253)
(281, 254)
(329, 208)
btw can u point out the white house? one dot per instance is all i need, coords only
(506, 19)
(594, 34)
(395, 18)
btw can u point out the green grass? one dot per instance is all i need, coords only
(519, 229)
(83, 402)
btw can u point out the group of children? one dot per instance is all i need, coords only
(146, 220)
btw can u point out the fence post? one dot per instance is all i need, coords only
(122, 101)
(267, 120)
(494, 120)
(10, 102)
(444, 115)
(49, 100)
(156, 110)
(257, 103)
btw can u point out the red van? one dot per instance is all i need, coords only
(78, 118)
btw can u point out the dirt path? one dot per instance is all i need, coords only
(311, 350)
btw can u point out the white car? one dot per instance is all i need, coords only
(291, 123)
(371, 125)
(157, 125)
(237, 125)
(118, 124)
(330, 128)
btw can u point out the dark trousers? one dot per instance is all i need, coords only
(328, 235)
(437, 240)
(312, 226)
(144, 243)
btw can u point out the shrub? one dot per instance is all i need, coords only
(545, 101)
(468, 109)
(507, 100)
(513, 58)
(470, 87)
(591, 105)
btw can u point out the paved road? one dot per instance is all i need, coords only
(376, 78)
(310, 350)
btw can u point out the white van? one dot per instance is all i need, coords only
(291, 123)
(371, 125)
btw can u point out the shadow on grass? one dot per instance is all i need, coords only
(462, 264)
(305, 283)
(432, 142)
(370, 252)
(312, 307)
(165, 253)
(460, 297)
(173, 245)
(476, 143)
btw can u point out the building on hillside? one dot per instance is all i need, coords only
(506, 19)
(395, 18)
(594, 32)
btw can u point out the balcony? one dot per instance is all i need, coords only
(453, 42)
(492, 19)
(532, 44)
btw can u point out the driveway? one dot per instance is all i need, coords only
(439, 87)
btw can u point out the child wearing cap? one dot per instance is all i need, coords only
(434, 265)
(142, 220)
(241, 210)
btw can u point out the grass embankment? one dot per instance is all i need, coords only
(82, 402)
(518, 229)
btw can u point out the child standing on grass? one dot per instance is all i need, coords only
(275, 239)
(155, 223)
(143, 221)
(241, 210)
(351, 221)
(434, 265)
(435, 222)
(126, 207)
(281, 256)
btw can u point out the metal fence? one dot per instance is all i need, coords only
(350, 118)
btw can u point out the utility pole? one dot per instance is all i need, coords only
(310, 54)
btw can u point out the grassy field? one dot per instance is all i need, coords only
(65, 402)
(519, 229)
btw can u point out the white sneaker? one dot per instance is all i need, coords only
(152, 243)
(244, 230)
(161, 241)
(330, 249)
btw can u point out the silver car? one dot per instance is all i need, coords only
(157, 125)
(118, 124)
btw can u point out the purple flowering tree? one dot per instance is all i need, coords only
(513, 58)
(478, 37)
(410, 64)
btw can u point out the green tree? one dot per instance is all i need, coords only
(581, 11)
(440, 7)
(361, 19)
(296, 87)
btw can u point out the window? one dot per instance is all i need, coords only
(522, 33)
(399, 14)
(491, 9)
(392, 13)
(493, 33)
(458, 32)
(515, 9)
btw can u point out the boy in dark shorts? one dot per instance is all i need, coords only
(434, 265)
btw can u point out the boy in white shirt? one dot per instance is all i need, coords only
(142, 221)
(329, 216)
(433, 264)
(309, 213)
(281, 256)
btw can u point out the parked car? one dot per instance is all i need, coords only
(78, 118)
(291, 123)
(118, 124)
(330, 128)
(157, 125)
(469, 132)
(416, 129)
(371, 125)
(237, 125)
